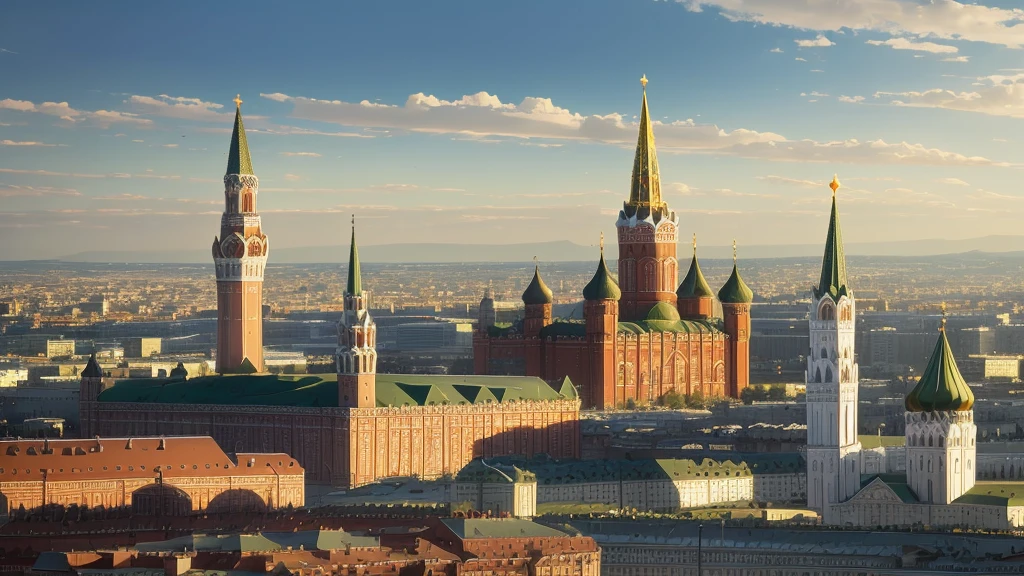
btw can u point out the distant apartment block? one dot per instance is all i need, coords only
(142, 347)
(60, 348)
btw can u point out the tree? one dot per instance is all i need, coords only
(673, 400)
(777, 392)
(696, 400)
(630, 404)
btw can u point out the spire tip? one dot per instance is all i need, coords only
(238, 101)
(643, 81)
(835, 184)
(734, 251)
(942, 325)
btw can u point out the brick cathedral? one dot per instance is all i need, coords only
(643, 336)
(349, 428)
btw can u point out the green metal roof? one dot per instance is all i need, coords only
(475, 528)
(941, 386)
(694, 285)
(833, 264)
(537, 292)
(552, 472)
(896, 482)
(994, 494)
(355, 282)
(264, 542)
(321, 390)
(678, 326)
(663, 312)
(239, 161)
(602, 286)
(735, 290)
(479, 470)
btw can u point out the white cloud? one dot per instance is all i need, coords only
(783, 180)
(819, 42)
(997, 96)
(6, 51)
(776, 50)
(945, 19)
(817, 70)
(8, 190)
(276, 96)
(292, 177)
(905, 44)
(307, 154)
(179, 107)
(484, 117)
(961, 59)
(798, 59)
(101, 118)
(819, 95)
(952, 181)
(14, 143)
(169, 145)
(851, 99)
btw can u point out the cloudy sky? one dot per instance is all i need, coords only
(486, 122)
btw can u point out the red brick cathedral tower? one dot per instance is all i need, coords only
(240, 255)
(648, 269)
(356, 357)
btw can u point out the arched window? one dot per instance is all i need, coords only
(930, 441)
(247, 201)
(827, 312)
(828, 374)
(824, 353)
(817, 375)
(942, 441)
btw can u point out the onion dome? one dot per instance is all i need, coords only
(602, 286)
(92, 368)
(941, 387)
(735, 290)
(537, 292)
(663, 312)
(694, 285)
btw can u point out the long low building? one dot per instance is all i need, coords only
(165, 476)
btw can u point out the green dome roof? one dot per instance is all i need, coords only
(663, 311)
(537, 292)
(694, 285)
(941, 387)
(735, 290)
(601, 286)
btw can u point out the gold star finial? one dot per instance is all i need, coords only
(942, 326)
(734, 251)
(643, 81)
(238, 100)
(835, 184)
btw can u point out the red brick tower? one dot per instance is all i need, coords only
(648, 269)
(356, 357)
(736, 297)
(537, 298)
(601, 313)
(240, 255)
(694, 298)
(89, 389)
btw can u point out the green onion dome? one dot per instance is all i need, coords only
(537, 292)
(735, 290)
(602, 286)
(664, 312)
(941, 387)
(694, 285)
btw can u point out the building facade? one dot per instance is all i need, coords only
(170, 476)
(641, 337)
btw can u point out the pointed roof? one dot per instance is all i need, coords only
(602, 286)
(645, 185)
(735, 290)
(355, 282)
(239, 161)
(537, 292)
(694, 285)
(833, 265)
(92, 368)
(941, 387)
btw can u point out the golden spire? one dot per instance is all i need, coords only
(238, 100)
(734, 251)
(645, 187)
(942, 325)
(695, 244)
(835, 184)
(643, 81)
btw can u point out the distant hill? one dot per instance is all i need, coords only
(562, 251)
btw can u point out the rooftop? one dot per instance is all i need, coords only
(263, 542)
(483, 528)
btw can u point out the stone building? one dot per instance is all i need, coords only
(496, 489)
(168, 476)
(641, 337)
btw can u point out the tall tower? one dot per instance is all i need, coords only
(940, 429)
(648, 270)
(240, 255)
(356, 357)
(736, 297)
(601, 314)
(833, 452)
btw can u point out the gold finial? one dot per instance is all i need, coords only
(353, 220)
(694, 243)
(643, 81)
(734, 251)
(238, 100)
(602, 243)
(942, 326)
(535, 264)
(835, 184)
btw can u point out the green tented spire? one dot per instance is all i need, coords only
(735, 290)
(355, 283)
(941, 387)
(833, 264)
(602, 286)
(694, 285)
(239, 161)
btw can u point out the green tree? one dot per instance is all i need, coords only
(673, 400)
(696, 400)
(777, 392)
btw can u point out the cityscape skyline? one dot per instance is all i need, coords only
(124, 137)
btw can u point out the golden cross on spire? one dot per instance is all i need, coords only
(835, 184)
(734, 251)
(643, 81)
(238, 100)
(942, 326)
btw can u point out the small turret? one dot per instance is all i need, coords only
(694, 298)
(537, 292)
(602, 286)
(736, 297)
(487, 316)
(601, 314)
(941, 387)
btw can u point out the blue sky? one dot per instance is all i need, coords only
(484, 122)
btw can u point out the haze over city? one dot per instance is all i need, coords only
(483, 123)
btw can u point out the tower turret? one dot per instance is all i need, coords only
(694, 298)
(736, 297)
(240, 256)
(487, 315)
(647, 230)
(537, 298)
(601, 314)
(833, 451)
(356, 356)
(89, 389)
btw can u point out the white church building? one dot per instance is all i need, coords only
(938, 487)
